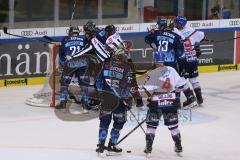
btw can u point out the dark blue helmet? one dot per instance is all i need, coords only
(162, 22)
(165, 24)
(180, 20)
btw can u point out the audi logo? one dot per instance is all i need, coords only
(234, 23)
(194, 25)
(26, 33)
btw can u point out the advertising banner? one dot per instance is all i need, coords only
(21, 59)
(24, 59)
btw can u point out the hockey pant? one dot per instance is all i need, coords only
(170, 117)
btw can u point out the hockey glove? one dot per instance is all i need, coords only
(127, 102)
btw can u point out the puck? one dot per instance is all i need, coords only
(128, 151)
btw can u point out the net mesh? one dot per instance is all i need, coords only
(47, 95)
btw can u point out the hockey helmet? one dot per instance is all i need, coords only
(170, 24)
(110, 29)
(73, 30)
(120, 56)
(162, 23)
(180, 21)
(90, 28)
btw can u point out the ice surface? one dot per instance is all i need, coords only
(210, 132)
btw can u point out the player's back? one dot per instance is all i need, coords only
(165, 81)
(159, 76)
(115, 77)
(72, 44)
(169, 44)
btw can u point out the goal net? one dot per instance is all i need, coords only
(47, 96)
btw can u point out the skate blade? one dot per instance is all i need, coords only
(148, 155)
(101, 155)
(179, 154)
(109, 153)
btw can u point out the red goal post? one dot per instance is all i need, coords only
(47, 95)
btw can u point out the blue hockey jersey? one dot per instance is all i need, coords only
(117, 78)
(167, 43)
(70, 45)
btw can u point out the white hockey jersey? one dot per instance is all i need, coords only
(165, 81)
(191, 38)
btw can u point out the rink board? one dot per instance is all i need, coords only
(40, 80)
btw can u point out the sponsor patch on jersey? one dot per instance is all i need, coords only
(162, 97)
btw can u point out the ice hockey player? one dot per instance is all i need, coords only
(114, 42)
(192, 52)
(115, 78)
(165, 41)
(93, 48)
(70, 45)
(93, 45)
(161, 102)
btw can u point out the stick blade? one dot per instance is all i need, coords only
(48, 38)
(5, 29)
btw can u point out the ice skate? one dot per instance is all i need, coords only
(199, 100)
(113, 150)
(189, 103)
(198, 94)
(61, 105)
(178, 147)
(100, 150)
(148, 151)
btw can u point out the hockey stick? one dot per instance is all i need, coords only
(49, 38)
(73, 11)
(140, 124)
(134, 116)
(220, 41)
(5, 30)
(137, 121)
